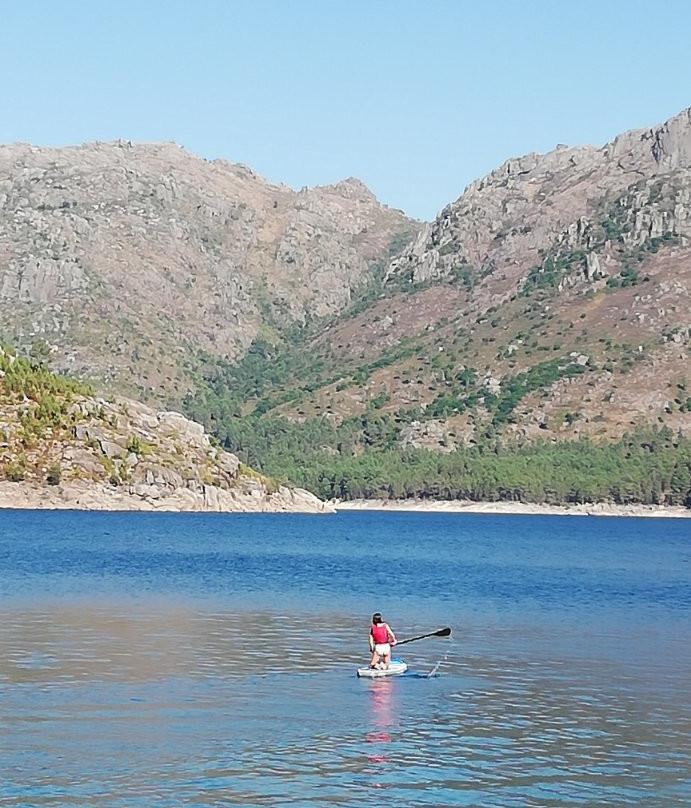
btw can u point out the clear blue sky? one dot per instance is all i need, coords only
(415, 98)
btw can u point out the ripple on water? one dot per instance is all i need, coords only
(179, 707)
(213, 701)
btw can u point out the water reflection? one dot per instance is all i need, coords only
(87, 644)
(173, 706)
(382, 719)
(382, 704)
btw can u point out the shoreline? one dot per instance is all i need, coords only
(90, 497)
(81, 496)
(513, 508)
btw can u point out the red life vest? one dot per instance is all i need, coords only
(380, 633)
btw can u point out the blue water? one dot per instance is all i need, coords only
(204, 659)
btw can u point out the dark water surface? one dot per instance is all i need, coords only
(209, 660)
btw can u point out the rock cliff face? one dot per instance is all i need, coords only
(506, 221)
(131, 258)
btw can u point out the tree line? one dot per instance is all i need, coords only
(361, 457)
(629, 471)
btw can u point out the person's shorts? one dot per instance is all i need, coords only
(382, 648)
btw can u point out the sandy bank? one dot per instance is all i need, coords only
(464, 506)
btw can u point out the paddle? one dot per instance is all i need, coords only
(443, 632)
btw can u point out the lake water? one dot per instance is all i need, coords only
(209, 660)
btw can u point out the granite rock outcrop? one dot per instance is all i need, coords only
(119, 454)
(583, 251)
(507, 221)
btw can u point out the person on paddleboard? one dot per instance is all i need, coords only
(381, 638)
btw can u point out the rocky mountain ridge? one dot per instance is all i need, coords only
(507, 219)
(582, 252)
(133, 260)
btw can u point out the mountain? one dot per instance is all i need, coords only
(534, 337)
(552, 298)
(547, 306)
(133, 261)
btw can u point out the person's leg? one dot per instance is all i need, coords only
(374, 660)
(387, 659)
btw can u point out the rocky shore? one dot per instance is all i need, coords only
(79, 495)
(119, 454)
(466, 506)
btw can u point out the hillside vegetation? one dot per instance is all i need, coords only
(534, 338)
(372, 455)
(37, 414)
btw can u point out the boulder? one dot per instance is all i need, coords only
(174, 423)
(160, 475)
(111, 449)
(228, 462)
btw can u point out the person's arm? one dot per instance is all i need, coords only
(392, 636)
(371, 641)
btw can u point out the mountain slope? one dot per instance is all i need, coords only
(549, 304)
(503, 223)
(542, 322)
(132, 260)
(552, 299)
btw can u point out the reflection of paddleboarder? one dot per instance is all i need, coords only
(381, 638)
(382, 711)
(383, 717)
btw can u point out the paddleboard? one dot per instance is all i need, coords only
(396, 668)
